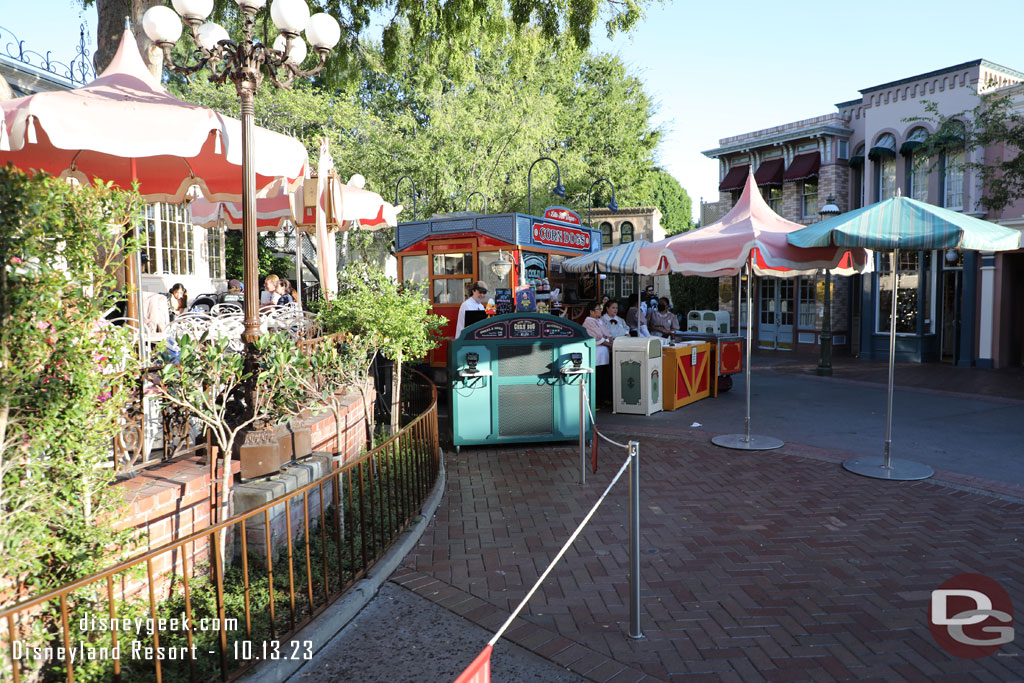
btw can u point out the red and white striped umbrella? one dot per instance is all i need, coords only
(751, 231)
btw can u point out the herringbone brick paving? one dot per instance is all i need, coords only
(763, 566)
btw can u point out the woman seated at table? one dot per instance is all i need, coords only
(610, 317)
(636, 317)
(602, 351)
(663, 321)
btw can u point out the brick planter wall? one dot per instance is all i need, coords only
(172, 500)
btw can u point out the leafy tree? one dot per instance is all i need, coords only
(64, 379)
(446, 32)
(672, 200)
(266, 261)
(208, 381)
(394, 317)
(994, 124)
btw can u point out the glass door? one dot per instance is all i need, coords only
(775, 304)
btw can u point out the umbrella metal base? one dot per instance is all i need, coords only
(898, 470)
(740, 442)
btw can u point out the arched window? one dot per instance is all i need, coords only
(883, 153)
(625, 232)
(606, 233)
(917, 165)
(857, 166)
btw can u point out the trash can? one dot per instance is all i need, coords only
(637, 375)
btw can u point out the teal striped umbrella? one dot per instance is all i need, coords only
(620, 260)
(891, 225)
(905, 223)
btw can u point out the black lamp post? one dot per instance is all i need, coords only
(557, 189)
(399, 184)
(471, 196)
(245, 64)
(825, 362)
(613, 205)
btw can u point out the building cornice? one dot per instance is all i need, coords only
(765, 138)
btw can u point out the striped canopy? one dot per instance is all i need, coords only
(749, 232)
(620, 260)
(905, 223)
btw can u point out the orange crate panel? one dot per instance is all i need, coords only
(685, 381)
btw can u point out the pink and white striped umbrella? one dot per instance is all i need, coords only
(751, 231)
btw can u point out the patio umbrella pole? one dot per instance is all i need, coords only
(885, 467)
(746, 442)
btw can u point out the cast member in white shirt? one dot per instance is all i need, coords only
(475, 302)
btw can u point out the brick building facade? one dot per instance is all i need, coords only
(960, 306)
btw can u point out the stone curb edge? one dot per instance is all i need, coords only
(543, 642)
(338, 615)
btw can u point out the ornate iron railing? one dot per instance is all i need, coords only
(214, 615)
(78, 72)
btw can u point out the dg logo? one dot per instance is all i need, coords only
(971, 616)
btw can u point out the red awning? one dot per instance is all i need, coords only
(735, 178)
(769, 172)
(803, 166)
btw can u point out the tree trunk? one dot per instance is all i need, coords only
(111, 16)
(396, 394)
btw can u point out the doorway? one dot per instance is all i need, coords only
(952, 296)
(776, 303)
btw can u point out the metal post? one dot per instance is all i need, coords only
(583, 430)
(250, 274)
(825, 362)
(298, 265)
(892, 354)
(750, 341)
(634, 541)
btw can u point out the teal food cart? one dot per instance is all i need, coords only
(516, 378)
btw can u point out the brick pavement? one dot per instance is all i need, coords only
(774, 566)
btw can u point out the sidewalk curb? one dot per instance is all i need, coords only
(338, 615)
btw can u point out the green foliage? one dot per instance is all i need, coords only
(64, 379)
(690, 293)
(394, 317)
(993, 124)
(266, 262)
(672, 200)
(455, 131)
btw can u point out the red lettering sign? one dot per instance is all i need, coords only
(560, 213)
(557, 236)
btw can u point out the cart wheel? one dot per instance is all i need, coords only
(724, 383)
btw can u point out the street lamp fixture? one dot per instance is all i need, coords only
(613, 205)
(557, 189)
(245, 64)
(502, 266)
(471, 196)
(399, 184)
(830, 210)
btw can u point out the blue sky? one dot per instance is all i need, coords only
(717, 69)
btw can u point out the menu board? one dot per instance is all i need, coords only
(503, 301)
(555, 329)
(494, 331)
(525, 328)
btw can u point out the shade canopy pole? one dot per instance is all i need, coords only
(885, 467)
(746, 442)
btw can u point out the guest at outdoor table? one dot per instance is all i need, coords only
(269, 295)
(234, 294)
(284, 291)
(178, 300)
(603, 338)
(636, 317)
(663, 321)
(610, 317)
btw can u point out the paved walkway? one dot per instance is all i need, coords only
(772, 566)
